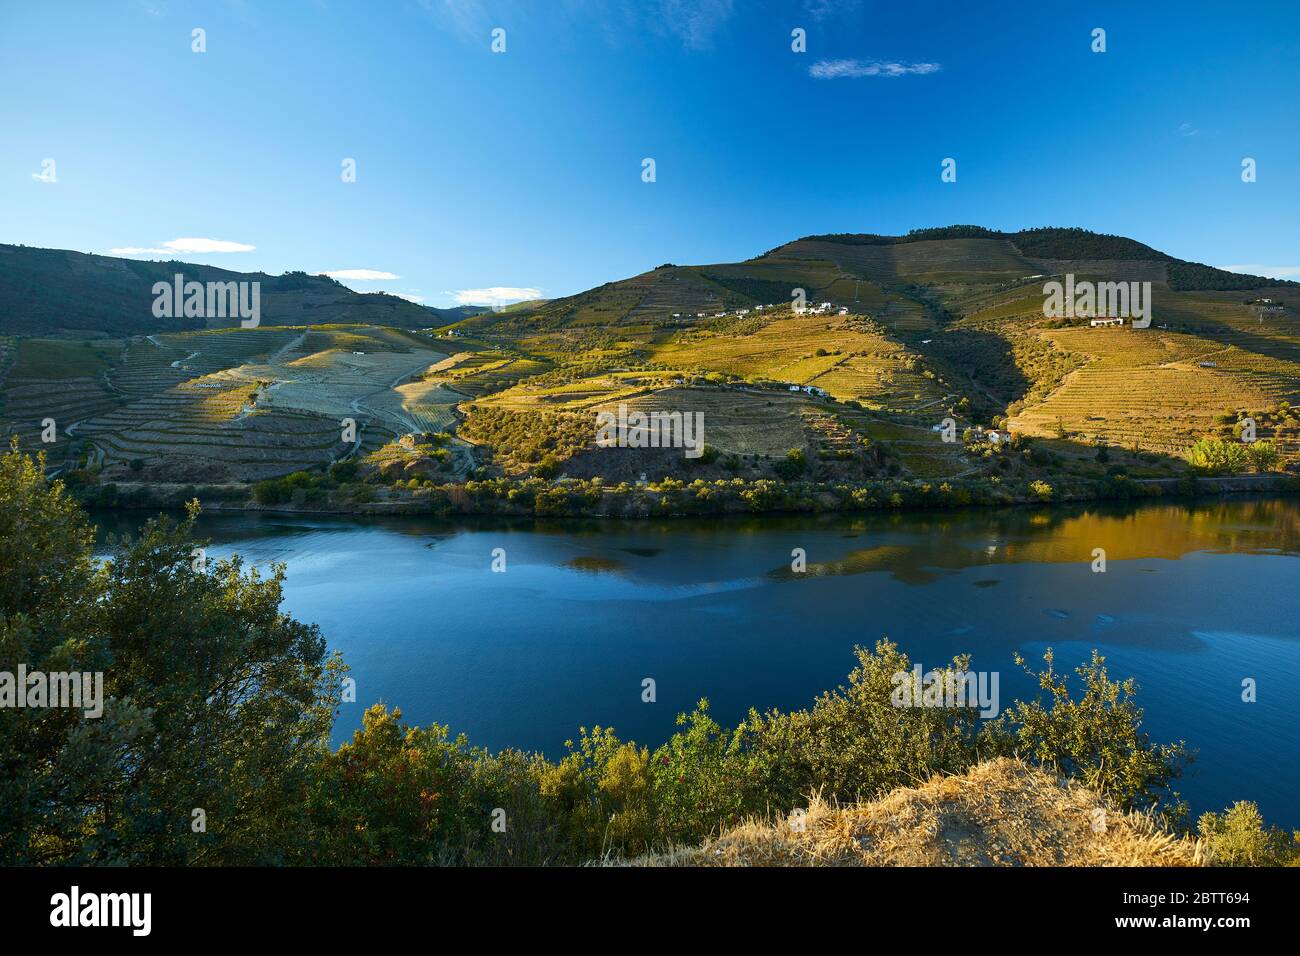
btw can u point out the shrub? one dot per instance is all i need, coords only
(1238, 837)
(1215, 456)
(792, 466)
(343, 470)
(1264, 455)
(1096, 738)
(272, 491)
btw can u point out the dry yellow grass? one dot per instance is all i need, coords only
(1001, 813)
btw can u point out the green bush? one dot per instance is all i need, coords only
(1215, 456)
(1264, 456)
(1239, 837)
(792, 466)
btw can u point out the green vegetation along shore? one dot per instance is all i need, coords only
(213, 745)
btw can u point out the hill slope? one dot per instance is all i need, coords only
(49, 291)
(903, 333)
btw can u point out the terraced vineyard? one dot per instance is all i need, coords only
(239, 404)
(900, 334)
(56, 381)
(1159, 390)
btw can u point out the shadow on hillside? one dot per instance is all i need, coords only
(985, 361)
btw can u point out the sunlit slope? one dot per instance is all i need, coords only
(237, 404)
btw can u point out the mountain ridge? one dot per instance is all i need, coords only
(48, 291)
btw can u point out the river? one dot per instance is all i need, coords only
(1195, 599)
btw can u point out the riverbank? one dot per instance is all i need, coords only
(669, 498)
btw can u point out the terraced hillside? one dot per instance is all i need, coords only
(50, 389)
(920, 327)
(830, 357)
(234, 405)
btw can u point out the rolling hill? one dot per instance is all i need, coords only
(55, 291)
(902, 333)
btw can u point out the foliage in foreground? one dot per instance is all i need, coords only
(217, 702)
(1239, 837)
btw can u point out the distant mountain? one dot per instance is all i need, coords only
(455, 314)
(45, 291)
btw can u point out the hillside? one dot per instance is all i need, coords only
(900, 334)
(55, 291)
(937, 323)
(1000, 813)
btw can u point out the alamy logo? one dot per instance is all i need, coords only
(210, 300)
(77, 690)
(103, 909)
(1106, 303)
(946, 688)
(656, 429)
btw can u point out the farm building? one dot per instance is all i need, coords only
(1106, 321)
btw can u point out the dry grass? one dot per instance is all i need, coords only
(1001, 813)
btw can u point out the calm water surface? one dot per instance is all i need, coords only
(1195, 599)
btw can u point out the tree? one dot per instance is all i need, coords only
(213, 700)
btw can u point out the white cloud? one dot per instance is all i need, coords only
(694, 22)
(854, 69)
(820, 9)
(186, 246)
(495, 295)
(1273, 272)
(417, 299)
(1187, 129)
(360, 275)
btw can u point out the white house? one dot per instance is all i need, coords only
(1106, 321)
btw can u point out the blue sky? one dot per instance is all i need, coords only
(522, 170)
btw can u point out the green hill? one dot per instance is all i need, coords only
(900, 334)
(54, 291)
